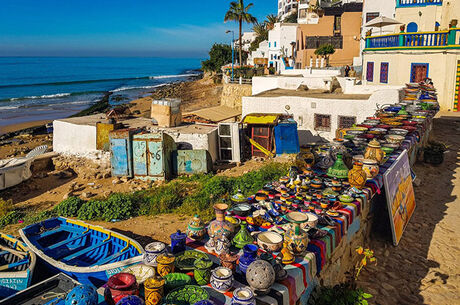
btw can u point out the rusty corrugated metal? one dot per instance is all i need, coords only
(102, 135)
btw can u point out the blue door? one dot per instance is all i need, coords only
(140, 158)
(286, 139)
(155, 158)
(119, 157)
(412, 27)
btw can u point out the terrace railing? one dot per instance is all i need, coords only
(415, 3)
(426, 40)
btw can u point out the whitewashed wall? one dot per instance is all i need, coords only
(71, 138)
(265, 83)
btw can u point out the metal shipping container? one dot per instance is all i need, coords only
(187, 162)
(286, 138)
(121, 152)
(152, 156)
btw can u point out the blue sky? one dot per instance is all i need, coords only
(117, 27)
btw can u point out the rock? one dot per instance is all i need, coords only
(65, 174)
(386, 253)
(99, 176)
(67, 195)
(107, 193)
(124, 179)
(116, 181)
(87, 195)
(106, 175)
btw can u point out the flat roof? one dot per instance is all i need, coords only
(313, 93)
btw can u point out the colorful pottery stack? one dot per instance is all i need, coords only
(152, 251)
(339, 169)
(222, 279)
(243, 237)
(120, 285)
(357, 176)
(260, 276)
(374, 151)
(153, 290)
(220, 227)
(165, 264)
(249, 256)
(202, 272)
(196, 229)
(178, 241)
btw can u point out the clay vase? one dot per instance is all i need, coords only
(287, 256)
(219, 227)
(153, 290)
(196, 229)
(357, 176)
(152, 251)
(202, 272)
(165, 264)
(260, 276)
(371, 168)
(249, 256)
(178, 241)
(228, 260)
(296, 238)
(374, 151)
(243, 296)
(222, 279)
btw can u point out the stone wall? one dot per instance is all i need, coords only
(232, 95)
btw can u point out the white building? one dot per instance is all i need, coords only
(261, 52)
(246, 39)
(281, 46)
(287, 7)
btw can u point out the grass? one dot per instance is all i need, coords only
(187, 195)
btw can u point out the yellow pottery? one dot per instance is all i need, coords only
(374, 151)
(165, 264)
(153, 290)
(357, 176)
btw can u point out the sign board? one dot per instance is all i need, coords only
(400, 195)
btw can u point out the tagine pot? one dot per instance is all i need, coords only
(222, 279)
(243, 296)
(339, 169)
(371, 168)
(357, 177)
(249, 256)
(374, 151)
(325, 159)
(296, 238)
(152, 251)
(196, 229)
(219, 227)
(243, 237)
(260, 276)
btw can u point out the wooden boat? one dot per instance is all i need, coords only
(17, 264)
(50, 291)
(89, 254)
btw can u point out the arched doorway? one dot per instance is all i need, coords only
(412, 27)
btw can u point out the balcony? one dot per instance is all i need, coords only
(417, 3)
(420, 40)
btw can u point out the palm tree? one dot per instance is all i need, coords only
(261, 31)
(271, 20)
(240, 13)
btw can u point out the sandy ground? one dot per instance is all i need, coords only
(20, 126)
(424, 268)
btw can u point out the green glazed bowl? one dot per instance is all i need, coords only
(176, 280)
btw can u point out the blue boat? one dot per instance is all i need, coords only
(17, 264)
(89, 254)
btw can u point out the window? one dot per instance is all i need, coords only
(370, 16)
(418, 72)
(384, 72)
(337, 24)
(370, 71)
(346, 121)
(314, 42)
(436, 26)
(322, 122)
(412, 27)
(275, 44)
(269, 44)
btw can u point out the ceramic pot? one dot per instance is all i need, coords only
(286, 255)
(357, 176)
(220, 226)
(243, 237)
(239, 198)
(374, 151)
(270, 241)
(325, 158)
(222, 279)
(222, 245)
(243, 296)
(339, 169)
(178, 241)
(165, 264)
(296, 238)
(131, 300)
(228, 260)
(260, 276)
(196, 229)
(153, 290)
(202, 272)
(371, 168)
(119, 286)
(152, 251)
(249, 256)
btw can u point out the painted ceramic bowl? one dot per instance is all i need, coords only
(141, 272)
(390, 145)
(271, 241)
(394, 139)
(175, 280)
(398, 131)
(242, 209)
(387, 150)
(378, 131)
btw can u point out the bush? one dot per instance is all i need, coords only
(69, 207)
(117, 206)
(10, 218)
(5, 206)
(34, 218)
(164, 199)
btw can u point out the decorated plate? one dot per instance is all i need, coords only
(186, 259)
(187, 295)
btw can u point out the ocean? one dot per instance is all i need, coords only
(47, 88)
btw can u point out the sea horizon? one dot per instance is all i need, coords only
(36, 88)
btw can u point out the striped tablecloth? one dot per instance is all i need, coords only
(302, 275)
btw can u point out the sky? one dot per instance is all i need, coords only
(180, 28)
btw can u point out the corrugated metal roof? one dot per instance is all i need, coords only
(261, 119)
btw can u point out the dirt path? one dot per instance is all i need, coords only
(424, 268)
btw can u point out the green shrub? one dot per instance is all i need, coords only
(69, 207)
(37, 217)
(92, 210)
(5, 206)
(10, 218)
(117, 206)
